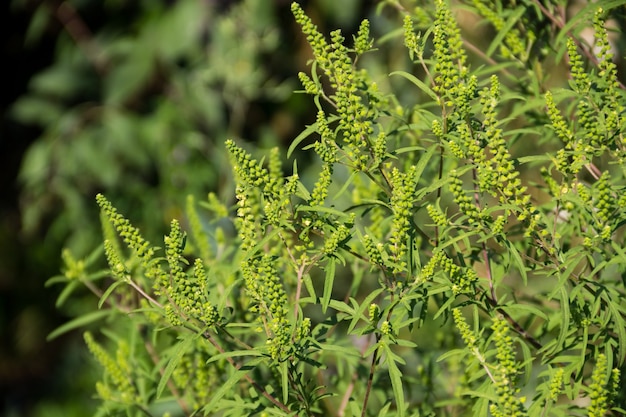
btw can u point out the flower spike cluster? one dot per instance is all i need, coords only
(355, 98)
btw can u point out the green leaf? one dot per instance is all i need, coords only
(66, 292)
(408, 149)
(305, 134)
(284, 373)
(499, 38)
(360, 311)
(234, 354)
(517, 260)
(419, 83)
(308, 283)
(235, 377)
(396, 379)
(322, 209)
(445, 308)
(328, 284)
(534, 158)
(565, 317)
(527, 309)
(451, 353)
(345, 185)
(342, 307)
(176, 355)
(343, 350)
(619, 326)
(109, 291)
(424, 159)
(79, 322)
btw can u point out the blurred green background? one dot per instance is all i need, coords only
(133, 99)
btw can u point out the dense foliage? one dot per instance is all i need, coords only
(456, 252)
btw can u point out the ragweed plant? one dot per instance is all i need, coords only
(459, 256)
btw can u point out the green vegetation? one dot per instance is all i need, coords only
(443, 240)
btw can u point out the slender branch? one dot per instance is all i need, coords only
(516, 326)
(248, 378)
(587, 50)
(143, 293)
(370, 378)
(346, 396)
(170, 384)
(78, 30)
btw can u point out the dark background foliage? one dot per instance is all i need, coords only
(124, 98)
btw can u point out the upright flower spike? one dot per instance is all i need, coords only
(74, 269)
(557, 121)
(608, 69)
(117, 266)
(506, 180)
(174, 245)
(362, 42)
(275, 187)
(337, 236)
(449, 54)
(507, 405)
(248, 210)
(117, 371)
(320, 190)
(269, 302)
(319, 45)
(465, 203)
(188, 296)
(411, 40)
(610, 102)
(249, 171)
(250, 177)
(437, 216)
(127, 231)
(464, 329)
(309, 85)
(326, 146)
(556, 385)
(599, 393)
(580, 77)
(402, 200)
